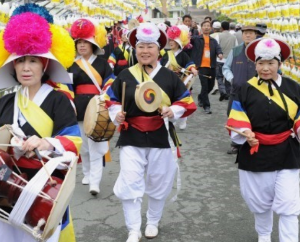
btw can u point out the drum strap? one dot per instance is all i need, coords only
(125, 52)
(91, 72)
(33, 188)
(136, 72)
(173, 63)
(175, 155)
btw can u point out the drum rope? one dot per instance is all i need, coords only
(33, 188)
(174, 152)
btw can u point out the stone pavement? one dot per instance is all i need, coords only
(209, 207)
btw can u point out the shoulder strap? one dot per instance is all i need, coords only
(91, 72)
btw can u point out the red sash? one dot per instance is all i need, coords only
(143, 123)
(270, 139)
(87, 89)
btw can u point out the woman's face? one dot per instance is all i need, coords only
(173, 44)
(84, 48)
(267, 69)
(29, 70)
(147, 53)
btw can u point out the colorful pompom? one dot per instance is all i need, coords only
(27, 34)
(63, 47)
(82, 29)
(100, 36)
(34, 8)
(4, 54)
(184, 38)
(173, 32)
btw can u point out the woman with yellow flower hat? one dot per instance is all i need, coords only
(92, 75)
(34, 51)
(176, 59)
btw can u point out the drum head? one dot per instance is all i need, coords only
(148, 96)
(91, 115)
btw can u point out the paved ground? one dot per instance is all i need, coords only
(209, 207)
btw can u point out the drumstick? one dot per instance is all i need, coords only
(237, 131)
(123, 96)
(10, 145)
(21, 178)
(204, 75)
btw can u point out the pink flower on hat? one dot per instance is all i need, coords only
(269, 43)
(147, 31)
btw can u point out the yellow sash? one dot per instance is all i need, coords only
(36, 117)
(136, 71)
(173, 63)
(125, 52)
(94, 72)
(293, 107)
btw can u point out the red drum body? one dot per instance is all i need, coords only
(41, 207)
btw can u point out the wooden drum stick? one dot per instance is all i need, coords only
(237, 131)
(123, 95)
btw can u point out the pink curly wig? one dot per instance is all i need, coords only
(82, 29)
(173, 32)
(27, 34)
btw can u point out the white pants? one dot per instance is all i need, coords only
(278, 191)
(9, 233)
(160, 168)
(92, 158)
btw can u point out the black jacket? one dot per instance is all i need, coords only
(198, 47)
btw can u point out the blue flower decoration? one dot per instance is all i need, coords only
(34, 8)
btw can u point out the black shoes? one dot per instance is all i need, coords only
(207, 110)
(214, 92)
(223, 96)
(232, 151)
(200, 104)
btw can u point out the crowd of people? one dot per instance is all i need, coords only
(234, 60)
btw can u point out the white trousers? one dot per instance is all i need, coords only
(160, 168)
(278, 191)
(92, 158)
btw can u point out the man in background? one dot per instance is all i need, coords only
(206, 51)
(238, 69)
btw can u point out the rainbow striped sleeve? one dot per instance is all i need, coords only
(187, 102)
(297, 122)
(110, 98)
(238, 117)
(108, 81)
(112, 59)
(190, 65)
(64, 88)
(70, 138)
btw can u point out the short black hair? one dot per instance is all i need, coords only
(168, 23)
(204, 22)
(208, 17)
(186, 16)
(225, 25)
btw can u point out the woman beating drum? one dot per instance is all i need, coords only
(177, 60)
(33, 52)
(266, 110)
(92, 75)
(144, 139)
